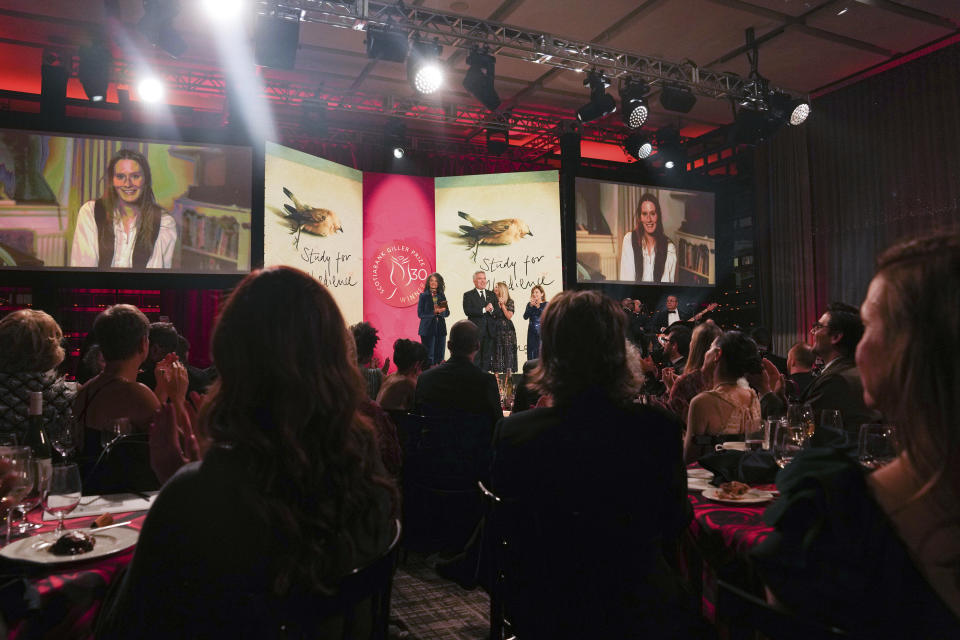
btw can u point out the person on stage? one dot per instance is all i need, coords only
(125, 227)
(504, 353)
(647, 254)
(538, 301)
(478, 306)
(432, 309)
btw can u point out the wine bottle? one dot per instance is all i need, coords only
(37, 438)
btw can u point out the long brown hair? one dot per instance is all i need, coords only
(660, 255)
(287, 401)
(703, 336)
(922, 278)
(570, 365)
(150, 211)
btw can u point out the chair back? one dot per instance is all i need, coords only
(123, 466)
(744, 614)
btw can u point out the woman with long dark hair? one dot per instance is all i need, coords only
(291, 494)
(124, 227)
(878, 553)
(432, 309)
(647, 255)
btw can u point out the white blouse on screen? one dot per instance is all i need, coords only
(85, 251)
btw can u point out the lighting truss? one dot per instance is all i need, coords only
(538, 47)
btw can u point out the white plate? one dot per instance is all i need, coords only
(753, 496)
(698, 484)
(37, 548)
(699, 473)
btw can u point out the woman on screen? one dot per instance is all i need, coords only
(647, 254)
(125, 227)
(432, 309)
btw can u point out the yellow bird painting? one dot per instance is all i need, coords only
(313, 220)
(506, 231)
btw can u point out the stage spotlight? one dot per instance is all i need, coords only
(669, 148)
(150, 89)
(753, 125)
(634, 104)
(157, 26)
(94, 71)
(601, 103)
(669, 164)
(479, 79)
(395, 135)
(498, 141)
(677, 98)
(390, 45)
(793, 110)
(223, 9)
(424, 69)
(398, 152)
(639, 145)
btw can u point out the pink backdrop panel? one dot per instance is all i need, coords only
(399, 251)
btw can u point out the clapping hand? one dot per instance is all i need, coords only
(489, 307)
(669, 377)
(172, 379)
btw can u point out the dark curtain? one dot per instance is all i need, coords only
(878, 162)
(193, 312)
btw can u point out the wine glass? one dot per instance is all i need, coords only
(788, 440)
(62, 493)
(18, 478)
(877, 445)
(801, 415)
(119, 428)
(66, 436)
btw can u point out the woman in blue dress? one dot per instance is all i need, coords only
(538, 302)
(432, 309)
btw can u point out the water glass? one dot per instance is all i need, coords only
(801, 415)
(756, 437)
(62, 493)
(877, 445)
(66, 436)
(788, 441)
(831, 418)
(19, 478)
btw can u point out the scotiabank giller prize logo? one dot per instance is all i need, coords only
(397, 273)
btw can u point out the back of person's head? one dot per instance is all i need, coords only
(763, 338)
(30, 342)
(738, 354)
(164, 336)
(918, 385)
(845, 320)
(120, 331)
(407, 354)
(703, 336)
(366, 338)
(801, 357)
(680, 335)
(464, 338)
(183, 349)
(286, 402)
(570, 365)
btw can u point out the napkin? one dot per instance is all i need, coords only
(751, 467)
(114, 503)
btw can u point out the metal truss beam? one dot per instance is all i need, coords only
(533, 46)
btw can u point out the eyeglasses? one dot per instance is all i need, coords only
(817, 325)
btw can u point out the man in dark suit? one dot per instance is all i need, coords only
(835, 338)
(458, 383)
(478, 305)
(800, 361)
(665, 317)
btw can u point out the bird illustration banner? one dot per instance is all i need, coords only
(506, 225)
(313, 220)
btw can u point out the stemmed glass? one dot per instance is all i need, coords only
(877, 445)
(120, 428)
(801, 415)
(66, 436)
(19, 478)
(62, 493)
(788, 441)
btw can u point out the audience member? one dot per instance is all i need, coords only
(575, 467)
(680, 391)
(662, 319)
(636, 325)
(366, 339)
(30, 352)
(877, 554)
(197, 378)
(800, 361)
(163, 341)
(399, 390)
(458, 384)
(839, 387)
(525, 396)
(290, 496)
(731, 406)
(676, 347)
